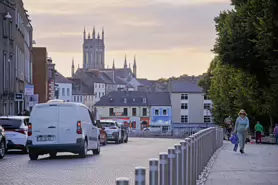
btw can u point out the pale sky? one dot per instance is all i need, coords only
(168, 37)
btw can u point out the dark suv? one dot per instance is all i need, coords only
(3, 143)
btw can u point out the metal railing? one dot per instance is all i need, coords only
(183, 163)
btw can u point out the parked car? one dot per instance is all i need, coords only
(16, 130)
(3, 143)
(115, 132)
(62, 127)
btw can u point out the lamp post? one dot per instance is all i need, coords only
(8, 17)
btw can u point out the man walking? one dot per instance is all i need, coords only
(259, 131)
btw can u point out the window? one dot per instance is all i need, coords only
(99, 95)
(77, 99)
(184, 118)
(144, 111)
(184, 106)
(4, 70)
(99, 85)
(103, 94)
(68, 91)
(134, 112)
(111, 112)
(206, 119)
(156, 112)
(207, 106)
(5, 28)
(95, 85)
(144, 100)
(63, 91)
(206, 97)
(125, 112)
(74, 98)
(10, 29)
(164, 112)
(184, 96)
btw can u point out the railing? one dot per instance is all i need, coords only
(183, 164)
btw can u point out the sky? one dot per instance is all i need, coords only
(168, 37)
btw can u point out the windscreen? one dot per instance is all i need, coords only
(7, 123)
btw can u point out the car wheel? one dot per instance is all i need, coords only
(2, 149)
(33, 156)
(83, 152)
(126, 140)
(53, 154)
(97, 150)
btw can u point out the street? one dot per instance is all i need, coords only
(114, 161)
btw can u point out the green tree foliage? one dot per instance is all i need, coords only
(244, 73)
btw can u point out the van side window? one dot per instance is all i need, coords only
(91, 116)
(84, 115)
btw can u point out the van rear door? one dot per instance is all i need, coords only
(45, 123)
(67, 123)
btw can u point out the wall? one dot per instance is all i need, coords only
(65, 91)
(195, 111)
(104, 111)
(89, 101)
(99, 90)
(40, 73)
(160, 118)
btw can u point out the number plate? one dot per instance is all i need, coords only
(45, 138)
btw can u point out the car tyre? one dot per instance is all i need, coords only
(33, 156)
(53, 154)
(126, 140)
(84, 150)
(2, 149)
(97, 150)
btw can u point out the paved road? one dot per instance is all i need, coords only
(114, 161)
(258, 166)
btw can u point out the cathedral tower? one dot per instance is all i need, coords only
(134, 67)
(93, 51)
(72, 67)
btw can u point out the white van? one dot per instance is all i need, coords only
(62, 127)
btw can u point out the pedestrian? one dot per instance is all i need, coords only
(276, 133)
(241, 127)
(234, 140)
(259, 131)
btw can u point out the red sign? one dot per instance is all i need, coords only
(118, 113)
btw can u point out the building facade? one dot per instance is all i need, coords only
(187, 101)
(40, 73)
(93, 50)
(161, 118)
(64, 87)
(15, 53)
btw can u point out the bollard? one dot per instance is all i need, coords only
(189, 164)
(179, 163)
(140, 176)
(163, 167)
(122, 181)
(184, 163)
(153, 172)
(172, 166)
(192, 160)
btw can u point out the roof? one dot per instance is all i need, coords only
(182, 86)
(59, 78)
(135, 98)
(79, 88)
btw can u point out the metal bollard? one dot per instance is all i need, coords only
(122, 181)
(163, 167)
(189, 164)
(184, 162)
(192, 160)
(153, 171)
(172, 166)
(178, 164)
(140, 176)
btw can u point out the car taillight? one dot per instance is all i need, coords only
(29, 129)
(79, 128)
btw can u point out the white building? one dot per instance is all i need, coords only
(99, 90)
(189, 103)
(64, 87)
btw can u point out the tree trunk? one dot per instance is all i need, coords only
(271, 124)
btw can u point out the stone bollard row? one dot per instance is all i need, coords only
(183, 164)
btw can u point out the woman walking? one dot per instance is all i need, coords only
(241, 127)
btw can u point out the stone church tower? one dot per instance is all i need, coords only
(93, 50)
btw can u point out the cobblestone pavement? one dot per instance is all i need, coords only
(258, 166)
(114, 161)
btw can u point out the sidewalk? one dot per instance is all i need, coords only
(258, 166)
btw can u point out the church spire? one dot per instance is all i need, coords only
(84, 33)
(102, 34)
(89, 35)
(125, 65)
(94, 33)
(134, 67)
(97, 35)
(72, 67)
(113, 67)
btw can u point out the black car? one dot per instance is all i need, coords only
(3, 143)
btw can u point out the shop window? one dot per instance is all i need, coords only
(125, 112)
(156, 112)
(111, 112)
(144, 111)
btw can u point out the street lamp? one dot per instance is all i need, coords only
(8, 16)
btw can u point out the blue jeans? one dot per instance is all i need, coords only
(235, 147)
